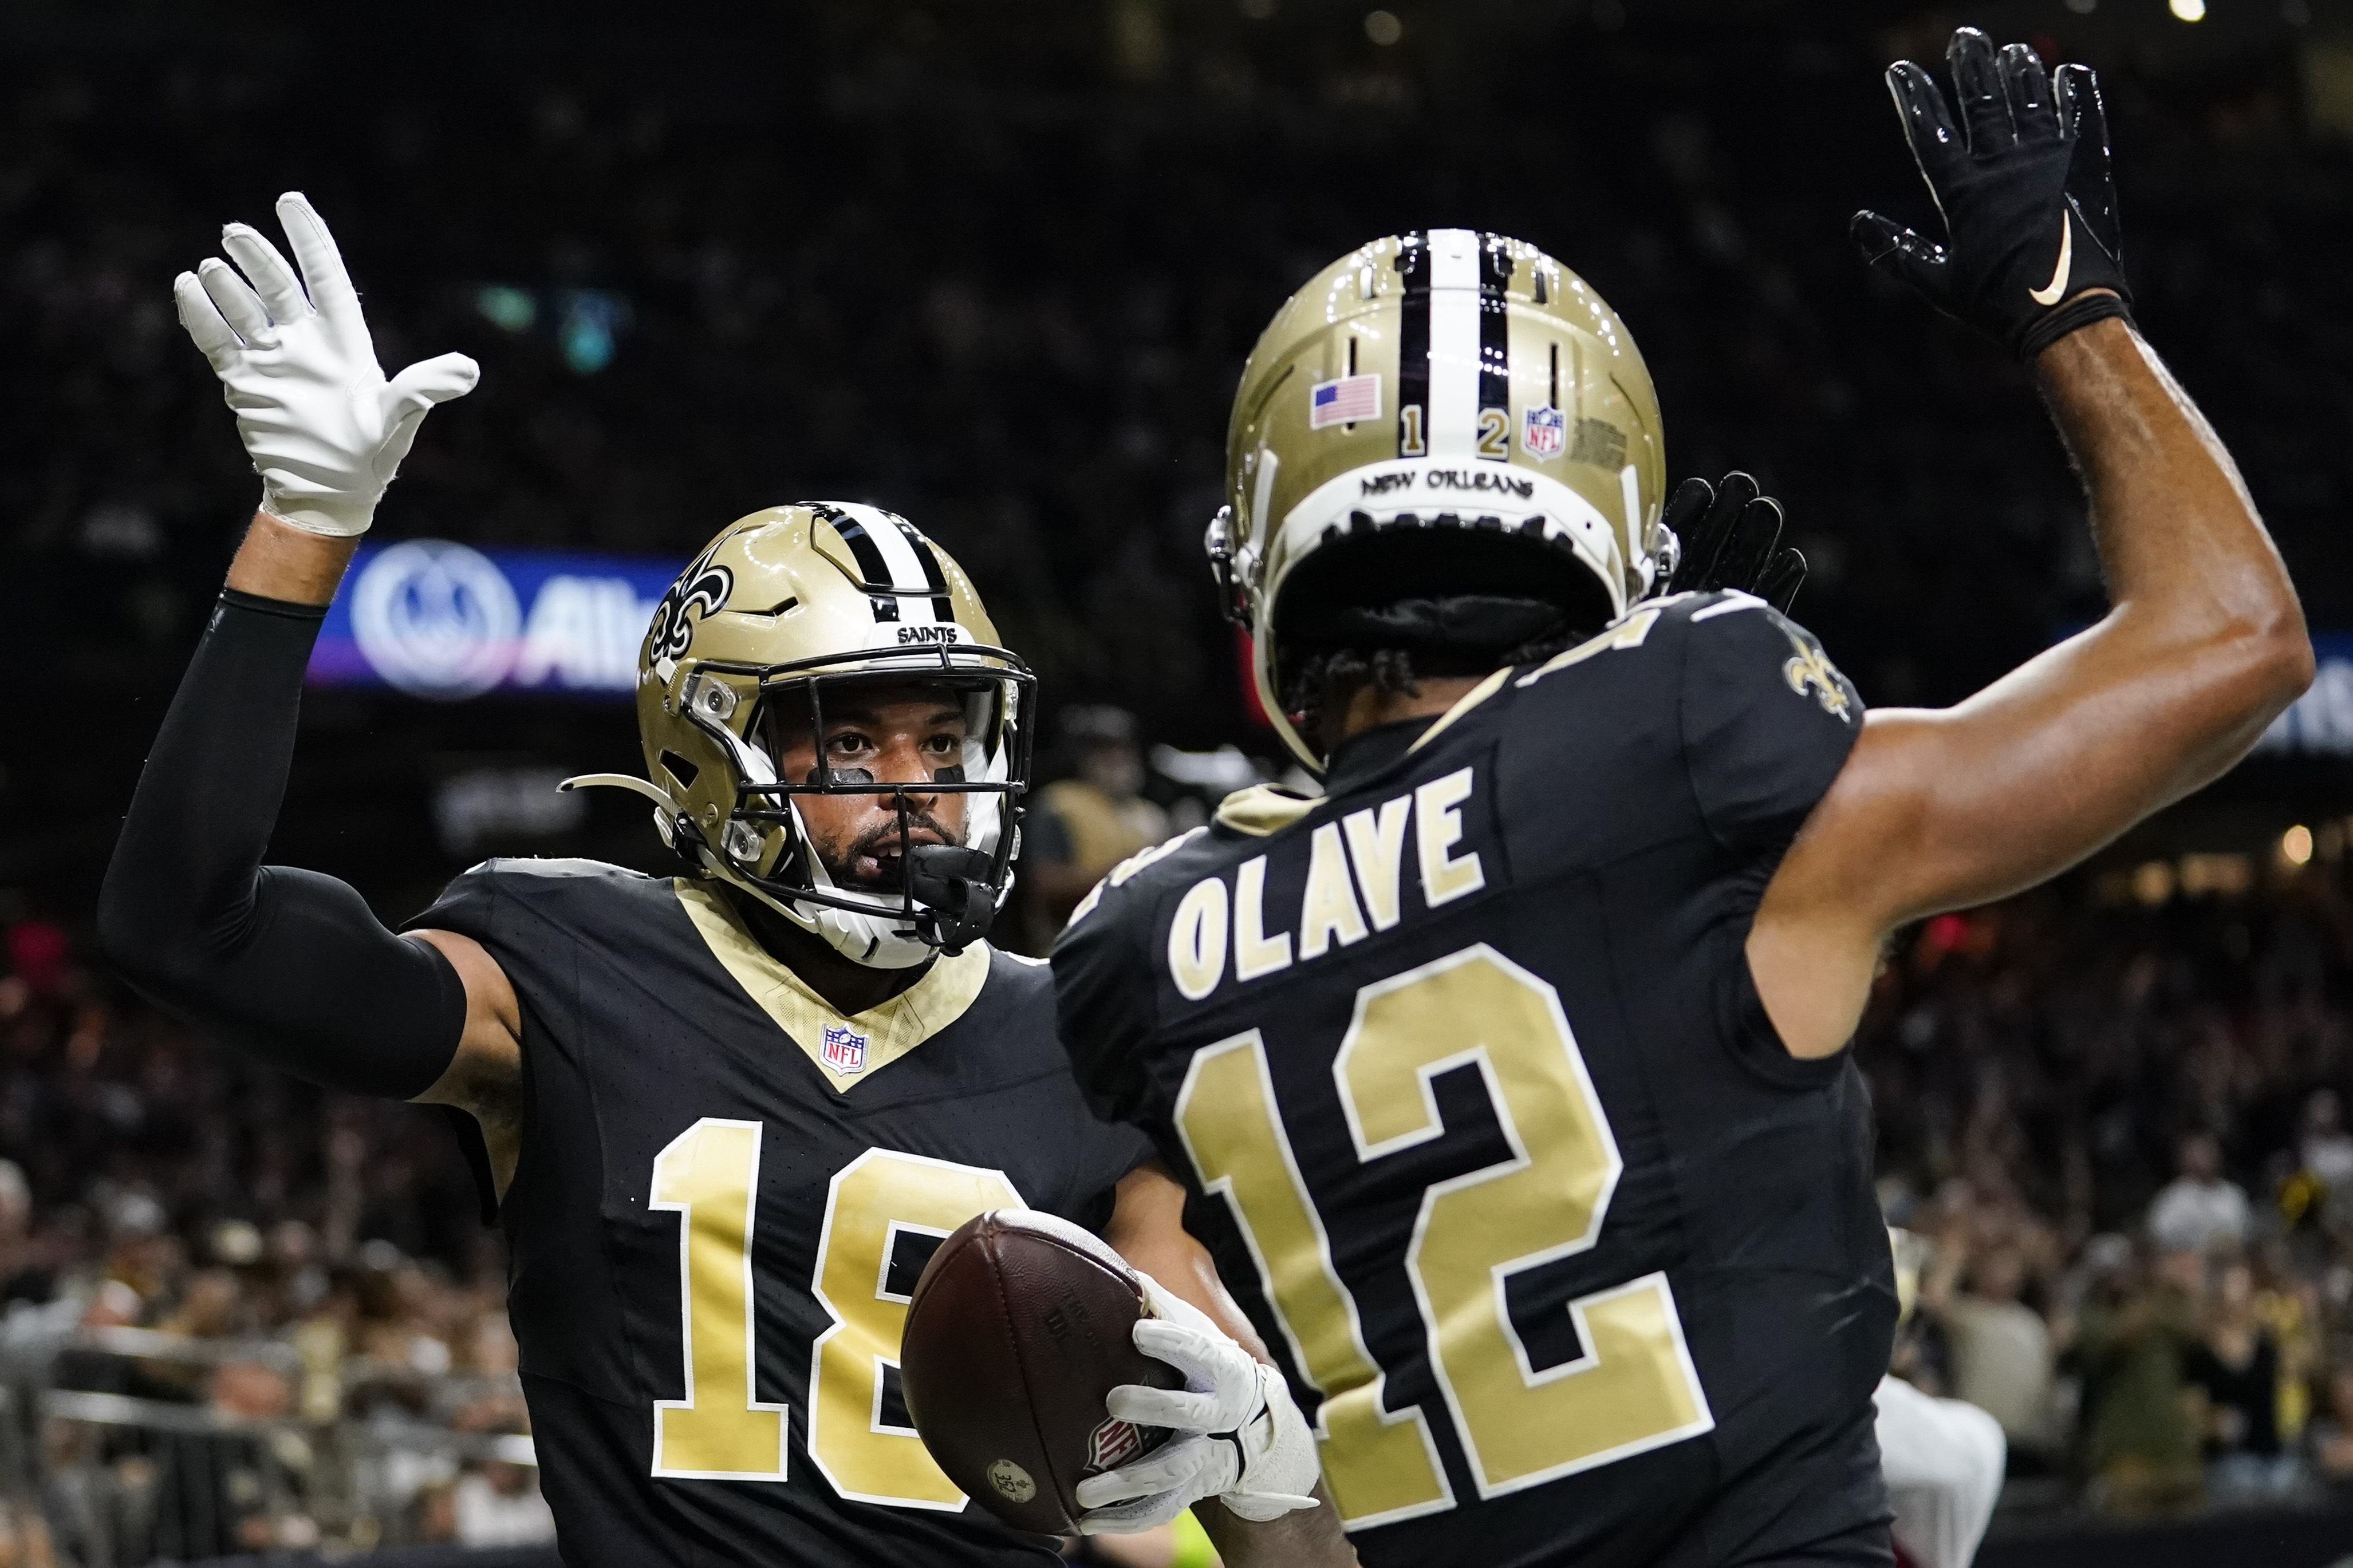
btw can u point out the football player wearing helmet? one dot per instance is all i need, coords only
(722, 1116)
(1509, 1073)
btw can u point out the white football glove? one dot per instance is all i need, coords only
(325, 429)
(1238, 1436)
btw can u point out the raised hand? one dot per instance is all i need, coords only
(1730, 534)
(2023, 181)
(326, 430)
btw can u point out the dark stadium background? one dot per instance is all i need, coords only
(997, 265)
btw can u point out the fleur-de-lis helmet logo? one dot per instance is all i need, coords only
(703, 587)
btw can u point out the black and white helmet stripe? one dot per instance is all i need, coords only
(1454, 345)
(901, 570)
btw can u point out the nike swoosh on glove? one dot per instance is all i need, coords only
(2027, 194)
(1237, 1435)
(324, 428)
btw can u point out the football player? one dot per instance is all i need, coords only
(723, 1117)
(1509, 1073)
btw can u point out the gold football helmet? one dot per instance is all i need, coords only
(1461, 415)
(768, 623)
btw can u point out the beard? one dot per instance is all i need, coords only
(857, 865)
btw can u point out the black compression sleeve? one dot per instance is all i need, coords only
(289, 965)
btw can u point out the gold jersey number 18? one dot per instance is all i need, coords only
(709, 1175)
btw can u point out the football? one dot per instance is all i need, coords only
(1018, 1329)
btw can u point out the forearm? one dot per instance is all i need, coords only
(1310, 1538)
(2176, 532)
(289, 964)
(1946, 809)
(1147, 1229)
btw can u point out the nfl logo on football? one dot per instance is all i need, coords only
(1113, 1444)
(844, 1051)
(1546, 432)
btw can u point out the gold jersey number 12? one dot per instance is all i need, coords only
(1633, 1388)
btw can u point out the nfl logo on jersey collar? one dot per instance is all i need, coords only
(844, 1050)
(1544, 432)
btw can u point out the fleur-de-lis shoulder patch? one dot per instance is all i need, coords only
(1810, 669)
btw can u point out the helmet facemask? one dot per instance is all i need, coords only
(925, 896)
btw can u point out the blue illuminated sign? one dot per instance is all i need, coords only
(440, 620)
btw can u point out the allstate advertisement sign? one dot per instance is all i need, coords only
(440, 620)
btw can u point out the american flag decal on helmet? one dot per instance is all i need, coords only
(1344, 402)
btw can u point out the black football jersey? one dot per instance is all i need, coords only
(1465, 1066)
(726, 1191)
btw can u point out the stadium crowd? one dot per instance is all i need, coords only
(2114, 1110)
(2116, 1114)
(304, 1256)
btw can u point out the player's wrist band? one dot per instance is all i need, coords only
(2073, 316)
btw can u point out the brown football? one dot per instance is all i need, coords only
(1014, 1337)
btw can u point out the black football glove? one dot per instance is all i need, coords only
(2029, 200)
(1731, 537)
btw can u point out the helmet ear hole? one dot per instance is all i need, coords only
(680, 769)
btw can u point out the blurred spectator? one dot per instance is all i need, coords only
(2327, 1148)
(2238, 1366)
(1999, 1349)
(2198, 1209)
(1081, 828)
(2331, 1436)
(25, 1272)
(498, 1504)
(2145, 1432)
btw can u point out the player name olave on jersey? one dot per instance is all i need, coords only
(1242, 923)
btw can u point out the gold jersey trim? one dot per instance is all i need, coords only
(897, 1027)
(1470, 699)
(1262, 809)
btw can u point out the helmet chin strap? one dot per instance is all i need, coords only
(873, 939)
(881, 942)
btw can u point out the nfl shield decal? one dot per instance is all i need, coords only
(1113, 1444)
(844, 1050)
(1544, 432)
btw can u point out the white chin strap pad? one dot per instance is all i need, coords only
(875, 940)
